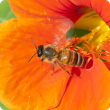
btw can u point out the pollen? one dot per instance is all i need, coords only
(48, 18)
(45, 13)
(98, 27)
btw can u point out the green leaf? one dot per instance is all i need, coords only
(3, 107)
(5, 11)
(76, 32)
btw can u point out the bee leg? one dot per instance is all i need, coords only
(42, 60)
(53, 67)
(65, 70)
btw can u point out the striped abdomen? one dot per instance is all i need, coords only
(69, 57)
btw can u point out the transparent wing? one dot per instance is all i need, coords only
(59, 31)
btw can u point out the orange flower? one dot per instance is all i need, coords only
(26, 86)
(94, 17)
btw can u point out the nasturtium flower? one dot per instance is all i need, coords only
(25, 86)
(96, 17)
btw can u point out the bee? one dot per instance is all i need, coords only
(50, 53)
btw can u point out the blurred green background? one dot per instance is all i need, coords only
(5, 14)
(5, 11)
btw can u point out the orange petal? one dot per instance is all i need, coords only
(100, 6)
(58, 8)
(90, 91)
(28, 86)
(53, 9)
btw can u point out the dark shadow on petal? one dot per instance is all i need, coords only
(89, 63)
(76, 71)
(57, 70)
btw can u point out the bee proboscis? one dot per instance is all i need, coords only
(50, 53)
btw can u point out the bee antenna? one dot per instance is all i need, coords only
(34, 44)
(31, 58)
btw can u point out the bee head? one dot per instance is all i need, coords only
(40, 50)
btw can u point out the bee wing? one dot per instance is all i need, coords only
(56, 39)
(60, 30)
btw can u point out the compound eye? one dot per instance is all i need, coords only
(40, 50)
(39, 53)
